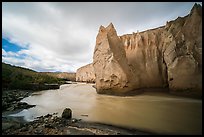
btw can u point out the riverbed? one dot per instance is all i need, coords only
(158, 112)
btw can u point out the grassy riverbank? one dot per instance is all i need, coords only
(14, 77)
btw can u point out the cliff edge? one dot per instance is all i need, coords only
(166, 57)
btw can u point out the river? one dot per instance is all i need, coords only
(156, 112)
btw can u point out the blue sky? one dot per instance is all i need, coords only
(52, 36)
(8, 46)
(10, 49)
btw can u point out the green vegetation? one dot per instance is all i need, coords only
(21, 78)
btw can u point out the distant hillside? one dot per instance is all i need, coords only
(62, 75)
(14, 77)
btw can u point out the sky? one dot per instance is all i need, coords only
(61, 36)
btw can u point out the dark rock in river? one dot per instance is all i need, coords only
(67, 113)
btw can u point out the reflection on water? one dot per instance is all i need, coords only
(155, 112)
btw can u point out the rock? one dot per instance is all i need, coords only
(185, 62)
(48, 126)
(24, 105)
(46, 119)
(144, 56)
(74, 120)
(67, 113)
(14, 102)
(20, 98)
(168, 56)
(110, 63)
(55, 113)
(38, 131)
(60, 127)
(7, 125)
(76, 131)
(86, 74)
(10, 99)
(48, 115)
(11, 108)
(23, 129)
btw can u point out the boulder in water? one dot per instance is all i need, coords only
(67, 113)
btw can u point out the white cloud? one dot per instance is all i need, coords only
(3, 52)
(39, 65)
(61, 36)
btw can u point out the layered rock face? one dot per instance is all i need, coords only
(86, 74)
(183, 54)
(144, 52)
(168, 56)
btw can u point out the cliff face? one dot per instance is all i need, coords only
(86, 74)
(110, 63)
(144, 52)
(168, 56)
(183, 54)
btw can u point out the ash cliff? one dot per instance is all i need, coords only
(86, 74)
(166, 57)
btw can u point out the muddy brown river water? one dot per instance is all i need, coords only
(156, 112)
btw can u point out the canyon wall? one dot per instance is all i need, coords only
(183, 54)
(168, 56)
(86, 74)
(144, 52)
